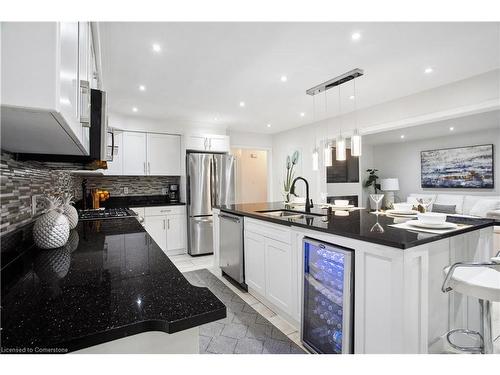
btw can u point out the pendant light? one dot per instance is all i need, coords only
(327, 151)
(315, 153)
(340, 146)
(356, 137)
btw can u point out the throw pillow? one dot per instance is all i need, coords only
(444, 208)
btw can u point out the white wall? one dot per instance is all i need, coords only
(402, 160)
(251, 140)
(473, 95)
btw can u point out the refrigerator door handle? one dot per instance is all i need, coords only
(212, 183)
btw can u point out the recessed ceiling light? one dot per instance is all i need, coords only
(142, 88)
(356, 36)
(402, 136)
(215, 118)
(352, 97)
(428, 70)
(268, 125)
(284, 78)
(134, 109)
(302, 114)
(242, 104)
(156, 47)
(451, 128)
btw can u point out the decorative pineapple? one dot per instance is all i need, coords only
(70, 211)
(51, 230)
(73, 241)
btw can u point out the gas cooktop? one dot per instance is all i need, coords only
(105, 213)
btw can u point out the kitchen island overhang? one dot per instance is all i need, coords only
(398, 303)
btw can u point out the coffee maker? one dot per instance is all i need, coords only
(173, 193)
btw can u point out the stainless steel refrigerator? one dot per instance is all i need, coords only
(210, 182)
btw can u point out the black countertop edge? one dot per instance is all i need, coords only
(127, 201)
(143, 327)
(479, 224)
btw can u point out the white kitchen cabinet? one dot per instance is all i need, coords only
(278, 267)
(156, 226)
(115, 167)
(255, 260)
(163, 154)
(134, 154)
(269, 263)
(43, 64)
(207, 142)
(151, 154)
(176, 232)
(167, 226)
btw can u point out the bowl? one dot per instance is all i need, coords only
(403, 206)
(431, 217)
(341, 202)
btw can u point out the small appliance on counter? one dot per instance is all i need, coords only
(173, 193)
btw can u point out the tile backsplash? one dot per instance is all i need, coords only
(21, 180)
(136, 185)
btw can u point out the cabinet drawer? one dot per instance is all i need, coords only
(274, 231)
(165, 210)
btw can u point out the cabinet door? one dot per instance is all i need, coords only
(164, 154)
(156, 226)
(279, 274)
(255, 262)
(84, 81)
(196, 142)
(216, 143)
(69, 76)
(176, 232)
(134, 154)
(115, 167)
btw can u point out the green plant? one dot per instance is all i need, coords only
(290, 164)
(372, 179)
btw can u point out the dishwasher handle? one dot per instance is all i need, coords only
(232, 218)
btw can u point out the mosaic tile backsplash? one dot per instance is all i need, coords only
(21, 180)
(137, 185)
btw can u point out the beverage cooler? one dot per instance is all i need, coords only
(327, 300)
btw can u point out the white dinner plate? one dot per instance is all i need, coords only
(402, 212)
(419, 224)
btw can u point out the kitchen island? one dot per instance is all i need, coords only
(111, 289)
(398, 303)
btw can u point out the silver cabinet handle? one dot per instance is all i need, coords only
(85, 103)
(149, 167)
(165, 210)
(163, 223)
(209, 143)
(168, 223)
(144, 166)
(205, 143)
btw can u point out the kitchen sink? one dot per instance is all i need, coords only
(289, 214)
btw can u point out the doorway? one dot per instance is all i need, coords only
(251, 175)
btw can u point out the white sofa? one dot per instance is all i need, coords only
(465, 205)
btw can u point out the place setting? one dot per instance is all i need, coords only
(430, 222)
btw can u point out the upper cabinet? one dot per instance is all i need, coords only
(46, 70)
(147, 154)
(207, 142)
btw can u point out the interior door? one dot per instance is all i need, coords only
(200, 184)
(224, 179)
(156, 226)
(134, 154)
(176, 232)
(164, 155)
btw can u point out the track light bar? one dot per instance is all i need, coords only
(346, 77)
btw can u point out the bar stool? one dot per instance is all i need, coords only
(482, 281)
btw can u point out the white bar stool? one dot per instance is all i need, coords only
(482, 281)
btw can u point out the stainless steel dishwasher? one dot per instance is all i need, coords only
(231, 260)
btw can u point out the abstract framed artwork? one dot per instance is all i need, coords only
(469, 167)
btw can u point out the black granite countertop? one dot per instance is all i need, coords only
(111, 280)
(140, 201)
(358, 224)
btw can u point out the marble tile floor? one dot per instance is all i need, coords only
(247, 329)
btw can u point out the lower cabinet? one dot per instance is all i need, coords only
(269, 266)
(167, 226)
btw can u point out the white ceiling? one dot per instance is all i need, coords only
(205, 69)
(466, 124)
